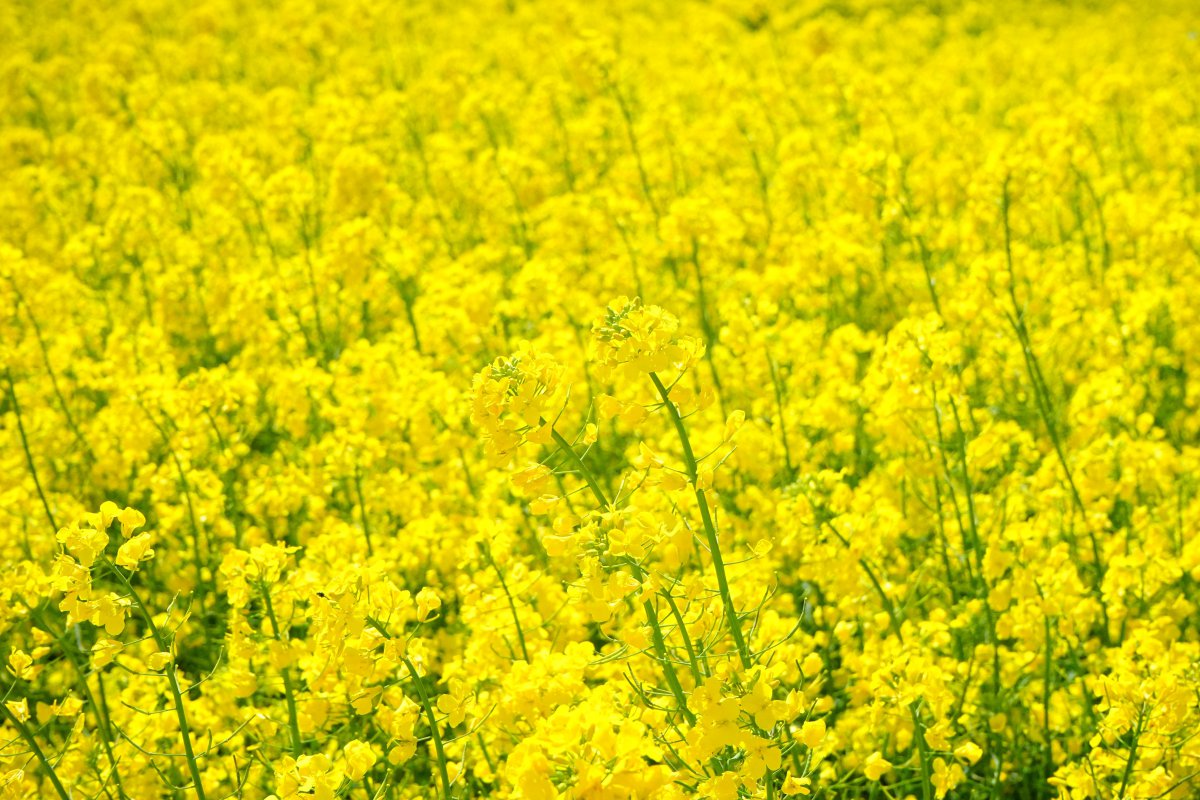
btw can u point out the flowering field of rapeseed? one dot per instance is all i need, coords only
(606, 400)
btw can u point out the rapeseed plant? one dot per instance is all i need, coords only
(593, 401)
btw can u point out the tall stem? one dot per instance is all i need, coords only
(512, 605)
(172, 680)
(1129, 762)
(12, 391)
(584, 473)
(98, 700)
(37, 751)
(197, 560)
(1041, 393)
(656, 634)
(922, 751)
(710, 530)
(362, 506)
(443, 773)
(289, 691)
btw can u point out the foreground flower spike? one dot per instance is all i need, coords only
(431, 401)
(514, 400)
(641, 339)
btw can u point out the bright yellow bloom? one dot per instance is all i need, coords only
(359, 759)
(135, 551)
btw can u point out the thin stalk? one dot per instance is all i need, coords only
(37, 751)
(362, 507)
(103, 696)
(951, 578)
(443, 773)
(316, 298)
(1046, 676)
(660, 650)
(888, 605)
(289, 691)
(62, 401)
(783, 437)
(187, 496)
(659, 641)
(922, 750)
(1137, 734)
(972, 518)
(697, 673)
(487, 555)
(584, 473)
(627, 116)
(101, 707)
(968, 545)
(710, 335)
(12, 391)
(968, 487)
(710, 531)
(172, 680)
(1041, 392)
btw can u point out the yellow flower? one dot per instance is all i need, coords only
(457, 703)
(158, 661)
(812, 733)
(131, 519)
(21, 665)
(733, 424)
(428, 603)
(793, 785)
(68, 707)
(135, 551)
(104, 651)
(641, 339)
(945, 778)
(19, 709)
(876, 766)
(359, 759)
(515, 399)
(722, 787)
(969, 752)
(83, 543)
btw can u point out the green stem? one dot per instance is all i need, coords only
(660, 652)
(62, 401)
(1046, 678)
(968, 486)
(710, 531)
(101, 707)
(572, 456)
(888, 605)
(1041, 393)
(710, 335)
(443, 773)
(487, 555)
(783, 436)
(197, 561)
(362, 506)
(172, 680)
(12, 391)
(659, 641)
(683, 633)
(1137, 734)
(627, 115)
(922, 750)
(289, 691)
(37, 751)
(108, 733)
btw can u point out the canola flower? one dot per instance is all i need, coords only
(558, 401)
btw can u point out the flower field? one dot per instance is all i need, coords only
(600, 400)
